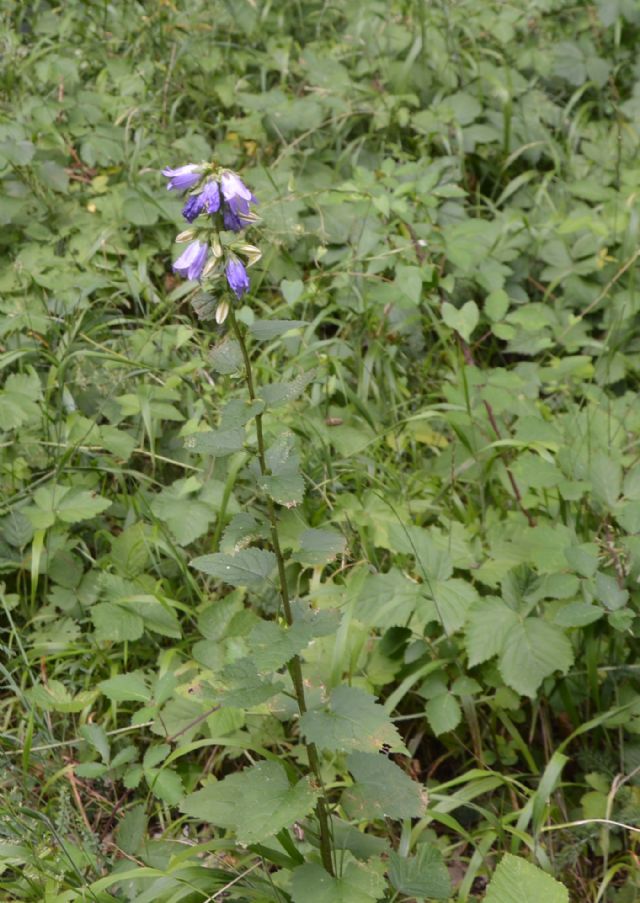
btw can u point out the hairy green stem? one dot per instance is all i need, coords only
(295, 665)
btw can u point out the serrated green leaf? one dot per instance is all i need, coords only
(277, 394)
(489, 621)
(443, 713)
(125, 687)
(237, 413)
(115, 624)
(216, 442)
(382, 789)
(249, 567)
(319, 546)
(226, 357)
(273, 645)
(533, 649)
(422, 875)
(271, 329)
(240, 686)
(517, 881)
(255, 803)
(353, 721)
(358, 883)
(284, 483)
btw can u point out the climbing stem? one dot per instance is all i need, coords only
(295, 665)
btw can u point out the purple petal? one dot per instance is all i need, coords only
(237, 277)
(183, 177)
(232, 221)
(211, 197)
(233, 186)
(191, 262)
(193, 207)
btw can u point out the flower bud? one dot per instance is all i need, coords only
(187, 235)
(210, 266)
(252, 253)
(222, 311)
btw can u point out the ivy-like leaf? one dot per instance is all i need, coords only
(250, 567)
(352, 721)
(255, 803)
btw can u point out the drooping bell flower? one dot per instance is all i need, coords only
(182, 178)
(191, 262)
(208, 199)
(237, 198)
(237, 277)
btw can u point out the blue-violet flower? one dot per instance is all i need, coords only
(182, 178)
(237, 277)
(191, 262)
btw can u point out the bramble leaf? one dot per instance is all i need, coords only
(353, 720)
(517, 881)
(255, 803)
(382, 789)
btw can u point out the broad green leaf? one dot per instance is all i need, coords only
(125, 687)
(532, 650)
(273, 645)
(450, 601)
(250, 567)
(226, 357)
(254, 803)
(609, 593)
(242, 687)
(271, 329)
(488, 623)
(65, 503)
(422, 875)
(216, 442)
(131, 830)
(291, 290)
(320, 546)
(358, 883)
(382, 789)
(464, 320)
(55, 697)
(517, 881)
(113, 623)
(443, 713)
(276, 394)
(284, 483)
(388, 600)
(353, 721)
(238, 412)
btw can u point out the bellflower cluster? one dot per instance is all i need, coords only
(221, 196)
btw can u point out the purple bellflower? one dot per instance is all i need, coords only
(208, 199)
(237, 198)
(182, 178)
(237, 277)
(191, 262)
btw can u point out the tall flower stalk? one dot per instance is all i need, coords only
(218, 208)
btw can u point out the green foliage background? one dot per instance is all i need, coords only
(450, 197)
